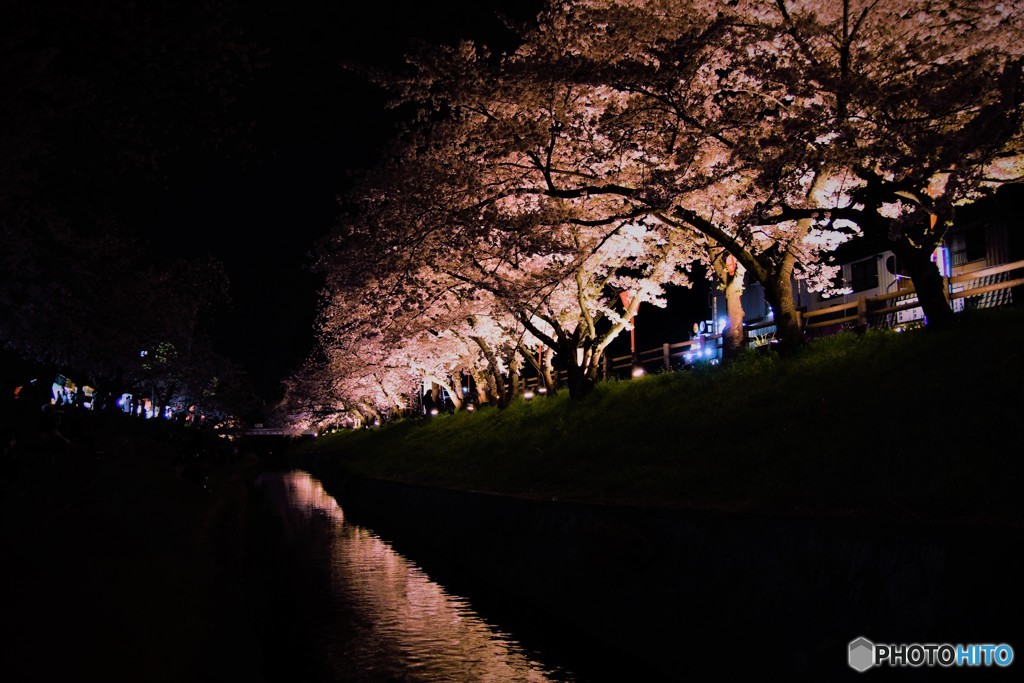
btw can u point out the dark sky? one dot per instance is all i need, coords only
(315, 124)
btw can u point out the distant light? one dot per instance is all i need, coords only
(708, 351)
(723, 324)
(638, 371)
(376, 423)
(433, 411)
(528, 395)
(142, 354)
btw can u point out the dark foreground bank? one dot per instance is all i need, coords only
(120, 555)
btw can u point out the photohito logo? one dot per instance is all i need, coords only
(863, 654)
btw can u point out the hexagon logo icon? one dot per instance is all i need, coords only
(862, 654)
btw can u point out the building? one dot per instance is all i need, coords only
(981, 259)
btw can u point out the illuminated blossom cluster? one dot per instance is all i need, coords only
(624, 144)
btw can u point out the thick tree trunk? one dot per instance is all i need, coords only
(581, 377)
(928, 283)
(579, 384)
(453, 394)
(515, 385)
(734, 338)
(593, 368)
(779, 292)
(547, 372)
(730, 275)
(495, 382)
(540, 361)
(484, 386)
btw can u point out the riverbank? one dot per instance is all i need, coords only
(918, 427)
(120, 564)
(756, 517)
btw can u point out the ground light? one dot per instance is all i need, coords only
(528, 395)
(638, 371)
(470, 408)
(433, 411)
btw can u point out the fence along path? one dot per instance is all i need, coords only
(881, 310)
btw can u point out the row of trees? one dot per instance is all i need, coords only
(536, 199)
(101, 105)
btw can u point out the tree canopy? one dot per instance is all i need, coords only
(625, 143)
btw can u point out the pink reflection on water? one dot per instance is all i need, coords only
(409, 627)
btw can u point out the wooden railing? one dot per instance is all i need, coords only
(666, 356)
(864, 310)
(871, 309)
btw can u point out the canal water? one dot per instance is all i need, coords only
(332, 601)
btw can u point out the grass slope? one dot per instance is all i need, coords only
(918, 424)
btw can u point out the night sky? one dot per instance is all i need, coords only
(316, 125)
(253, 182)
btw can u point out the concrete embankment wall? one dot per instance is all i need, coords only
(667, 593)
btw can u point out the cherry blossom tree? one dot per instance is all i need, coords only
(875, 117)
(917, 107)
(777, 128)
(532, 186)
(685, 123)
(625, 142)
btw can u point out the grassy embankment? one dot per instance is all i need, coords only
(912, 425)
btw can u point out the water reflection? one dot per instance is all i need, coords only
(386, 619)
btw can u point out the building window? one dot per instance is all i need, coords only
(968, 245)
(864, 275)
